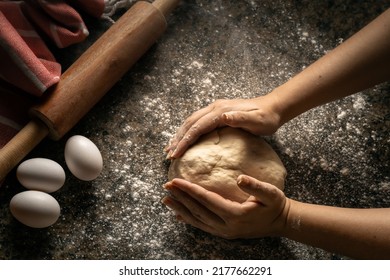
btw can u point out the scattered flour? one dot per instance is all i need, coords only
(331, 152)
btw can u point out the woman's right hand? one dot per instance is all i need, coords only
(258, 116)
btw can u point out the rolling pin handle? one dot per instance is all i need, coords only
(165, 6)
(20, 145)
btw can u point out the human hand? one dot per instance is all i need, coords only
(258, 116)
(264, 213)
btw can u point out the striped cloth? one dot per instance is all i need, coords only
(14, 106)
(25, 60)
(26, 63)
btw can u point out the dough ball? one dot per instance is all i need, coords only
(219, 157)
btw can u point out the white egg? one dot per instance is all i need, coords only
(35, 209)
(83, 158)
(41, 174)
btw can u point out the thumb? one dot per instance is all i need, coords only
(242, 119)
(264, 192)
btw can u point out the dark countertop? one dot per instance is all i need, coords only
(337, 154)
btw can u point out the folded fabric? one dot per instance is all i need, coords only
(26, 62)
(14, 108)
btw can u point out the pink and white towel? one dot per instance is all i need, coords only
(25, 60)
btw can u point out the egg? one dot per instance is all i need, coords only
(83, 158)
(41, 174)
(35, 209)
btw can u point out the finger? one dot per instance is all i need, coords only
(174, 206)
(188, 123)
(196, 209)
(252, 121)
(264, 192)
(214, 202)
(184, 215)
(247, 120)
(203, 126)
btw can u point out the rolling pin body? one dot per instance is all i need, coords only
(86, 81)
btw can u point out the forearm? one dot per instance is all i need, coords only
(359, 63)
(358, 233)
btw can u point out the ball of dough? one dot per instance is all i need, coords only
(219, 157)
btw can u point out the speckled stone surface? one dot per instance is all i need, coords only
(337, 154)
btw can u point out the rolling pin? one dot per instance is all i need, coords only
(89, 78)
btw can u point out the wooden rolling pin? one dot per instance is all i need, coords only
(89, 78)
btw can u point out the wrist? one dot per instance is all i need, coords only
(280, 226)
(280, 105)
(291, 218)
(269, 113)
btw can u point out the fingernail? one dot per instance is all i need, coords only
(167, 186)
(173, 154)
(227, 118)
(242, 180)
(239, 180)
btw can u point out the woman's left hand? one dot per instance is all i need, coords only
(264, 213)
